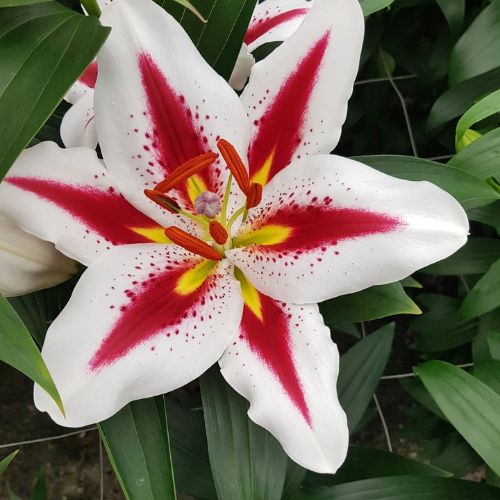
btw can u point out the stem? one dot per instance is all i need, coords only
(91, 7)
(234, 217)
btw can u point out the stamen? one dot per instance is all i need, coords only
(186, 170)
(191, 243)
(208, 204)
(217, 232)
(162, 200)
(254, 195)
(235, 165)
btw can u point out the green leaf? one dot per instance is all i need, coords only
(489, 214)
(481, 158)
(475, 257)
(455, 101)
(138, 446)
(419, 393)
(372, 6)
(219, 39)
(477, 50)
(373, 303)
(17, 349)
(454, 11)
(365, 463)
(493, 340)
(467, 189)
(488, 372)
(440, 328)
(410, 282)
(4, 463)
(404, 488)
(471, 407)
(19, 3)
(40, 490)
(43, 49)
(484, 296)
(189, 452)
(360, 370)
(487, 106)
(246, 461)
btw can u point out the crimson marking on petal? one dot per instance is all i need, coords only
(173, 125)
(152, 308)
(279, 130)
(261, 27)
(314, 226)
(89, 76)
(107, 213)
(273, 346)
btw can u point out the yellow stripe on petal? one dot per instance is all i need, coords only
(250, 294)
(195, 186)
(155, 234)
(192, 280)
(262, 176)
(272, 234)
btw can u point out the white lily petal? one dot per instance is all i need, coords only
(143, 320)
(28, 263)
(78, 124)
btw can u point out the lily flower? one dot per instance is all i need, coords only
(29, 263)
(216, 224)
(272, 21)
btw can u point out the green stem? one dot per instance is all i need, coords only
(234, 217)
(91, 7)
(226, 200)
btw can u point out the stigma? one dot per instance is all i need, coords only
(207, 203)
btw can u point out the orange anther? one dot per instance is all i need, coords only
(254, 195)
(163, 201)
(183, 172)
(235, 165)
(191, 243)
(218, 233)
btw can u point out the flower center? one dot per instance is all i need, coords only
(209, 210)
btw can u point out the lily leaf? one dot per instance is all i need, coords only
(138, 446)
(470, 406)
(373, 303)
(4, 463)
(360, 370)
(44, 48)
(246, 461)
(18, 349)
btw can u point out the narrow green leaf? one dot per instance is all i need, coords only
(471, 407)
(17, 349)
(455, 101)
(247, 462)
(419, 393)
(493, 340)
(488, 372)
(19, 3)
(372, 6)
(4, 463)
(467, 189)
(40, 490)
(373, 303)
(487, 106)
(454, 11)
(365, 463)
(43, 49)
(477, 50)
(484, 296)
(481, 158)
(188, 443)
(404, 488)
(219, 39)
(360, 370)
(475, 257)
(410, 282)
(138, 446)
(440, 328)
(489, 215)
